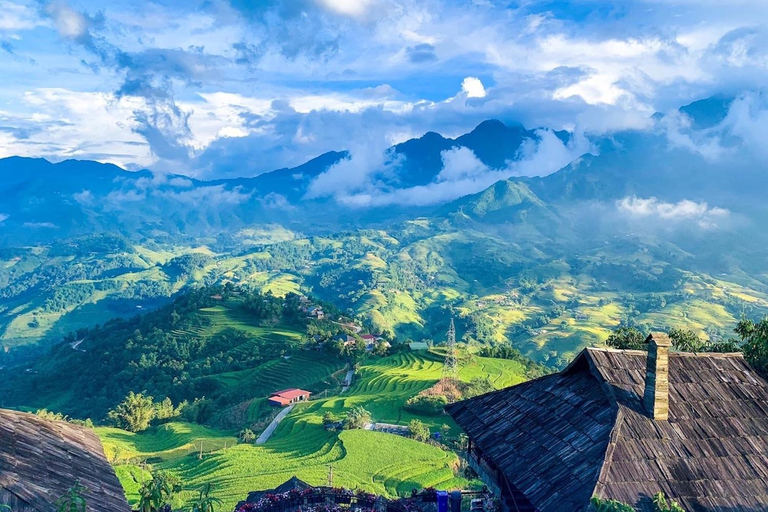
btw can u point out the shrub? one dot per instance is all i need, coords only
(73, 500)
(157, 492)
(357, 418)
(602, 505)
(426, 405)
(419, 431)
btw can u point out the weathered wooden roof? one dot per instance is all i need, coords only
(293, 483)
(40, 459)
(584, 431)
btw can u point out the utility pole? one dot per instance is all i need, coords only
(330, 476)
(451, 366)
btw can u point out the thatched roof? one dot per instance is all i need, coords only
(560, 439)
(41, 459)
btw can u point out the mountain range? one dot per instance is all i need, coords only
(44, 201)
(544, 238)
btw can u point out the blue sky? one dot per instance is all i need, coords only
(216, 88)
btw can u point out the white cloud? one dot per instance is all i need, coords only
(4, 217)
(748, 119)
(200, 198)
(15, 17)
(86, 125)
(357, 181)
(473, 87)
(670, 214)
(353, 8)
(548, 68)
(40, 225)
(212, 196)
(85, 197)
(71, 24)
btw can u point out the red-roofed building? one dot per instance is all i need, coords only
(289, 396)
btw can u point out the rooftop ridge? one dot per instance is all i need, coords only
(720, 355)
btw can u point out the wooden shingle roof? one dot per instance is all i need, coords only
(582, 432)
(40, 459)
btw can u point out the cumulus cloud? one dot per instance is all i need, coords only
(543, 64)
(670, 214)
(473, 87)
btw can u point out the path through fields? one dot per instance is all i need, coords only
(264, 437)
(347, 380)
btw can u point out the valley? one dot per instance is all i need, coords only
(377, 462)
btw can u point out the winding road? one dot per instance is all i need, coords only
(264, 437)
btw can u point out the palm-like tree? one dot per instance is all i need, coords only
(156, 493)
(205, 502)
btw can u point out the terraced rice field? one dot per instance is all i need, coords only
(301, 370)
(378, 462)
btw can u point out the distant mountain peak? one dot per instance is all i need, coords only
(708, 112)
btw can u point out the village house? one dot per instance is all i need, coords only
(289, 396)
(316, 312)
(370, 341)
(625, 425)
(41, 459)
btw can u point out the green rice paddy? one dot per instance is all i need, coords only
(382, 463)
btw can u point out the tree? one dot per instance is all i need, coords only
(247, 435)
(134, 414)
(73, 500)
(686, 340)
(205, 502)
(419, 431)
(754, 338)
(157, 492)
(626, 338)
(165, 410)
(358, 417)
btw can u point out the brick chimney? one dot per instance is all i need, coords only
(656, 397)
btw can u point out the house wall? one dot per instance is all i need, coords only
(485, 472)
(10, 499)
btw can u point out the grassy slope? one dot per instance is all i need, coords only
(378, 462)
(475, 273)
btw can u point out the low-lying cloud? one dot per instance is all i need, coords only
(671, 214)
(366, 177)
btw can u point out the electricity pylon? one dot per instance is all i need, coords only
(451, 366)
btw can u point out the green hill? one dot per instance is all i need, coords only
(226, 345)
(378, 462)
